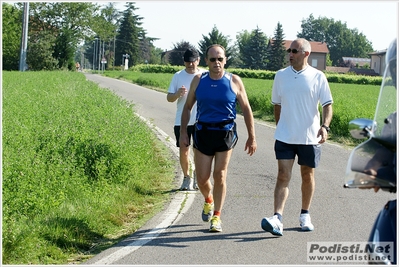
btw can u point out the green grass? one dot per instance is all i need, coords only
(351, 101)
(80, 169)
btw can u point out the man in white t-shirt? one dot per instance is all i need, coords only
(178, 90)
(297, 92)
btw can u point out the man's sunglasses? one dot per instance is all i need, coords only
(294, 51)
(213, 59)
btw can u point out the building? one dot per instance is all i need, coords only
(378, 61)
(355, 61)
(318, 55)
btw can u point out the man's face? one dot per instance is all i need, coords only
(297, 55)
(191, 66)
(216, 59)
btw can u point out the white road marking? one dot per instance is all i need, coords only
(172, 215)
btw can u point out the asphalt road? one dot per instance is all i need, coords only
(172, 238)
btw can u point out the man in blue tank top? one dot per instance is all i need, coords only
(216, 93)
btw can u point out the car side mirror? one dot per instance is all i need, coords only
(361, 128)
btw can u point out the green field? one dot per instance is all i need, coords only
(80, 169)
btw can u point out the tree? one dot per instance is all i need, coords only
(215, 37)
(341, 41)
(253, 49)
(277, 53)
(128, 35)
(40, 51)
(176, 54)
(69, 22)
(155, 56)
(105, 26)
(242, 41)
(11, 36)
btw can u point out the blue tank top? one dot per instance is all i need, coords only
(216, 100)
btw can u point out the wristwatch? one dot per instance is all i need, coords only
(326, 127)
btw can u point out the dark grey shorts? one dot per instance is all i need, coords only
(190, 130)
(308, 155)
(209, 141)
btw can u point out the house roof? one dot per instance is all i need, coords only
(379, 52)
(317, 47)
(356, 59)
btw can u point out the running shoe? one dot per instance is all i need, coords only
(305, 222)
(207, 212)
(216, 224)
(186, 185)
(272, 225)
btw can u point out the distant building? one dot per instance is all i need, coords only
(318, 55)
(378, 61)
(355, 62)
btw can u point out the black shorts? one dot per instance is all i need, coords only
(190, 130)
(308, 155)
(209, 141)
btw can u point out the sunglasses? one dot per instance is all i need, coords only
(213, 59)
(294, 51)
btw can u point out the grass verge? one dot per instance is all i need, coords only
(80, 169)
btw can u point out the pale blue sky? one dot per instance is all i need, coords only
(174, 21)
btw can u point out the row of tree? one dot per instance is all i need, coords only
(62, 33)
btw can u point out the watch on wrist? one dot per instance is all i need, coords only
(326, 127)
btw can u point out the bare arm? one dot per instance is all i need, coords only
(242, 98)
(186, 113)
(327, 114)
(326, 120)
(277, 112)
(172, 97)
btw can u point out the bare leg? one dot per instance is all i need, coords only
(308, 186)
(222, 160)
(203, 165)
(281, 190)
(185, 160)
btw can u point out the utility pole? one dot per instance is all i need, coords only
(99, 54)
(24, 38)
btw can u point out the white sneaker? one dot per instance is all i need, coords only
(305, 222)
(195, 184)
(186, 185)
(272, 225)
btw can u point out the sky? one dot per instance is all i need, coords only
(176, 21)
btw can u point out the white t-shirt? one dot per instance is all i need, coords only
(183, 78)
(299, 93)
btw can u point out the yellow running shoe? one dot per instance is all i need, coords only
(207, 212)
(216, 224)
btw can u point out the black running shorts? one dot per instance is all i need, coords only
(209, 141)
(308, 155)
(190, 130)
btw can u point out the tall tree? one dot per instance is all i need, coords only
(277, 53)
(341, 41)
(69, 22)
(176, 54)
(11, 36)
(105, 26)
(129, 35)
(253, 50)
(216, 37)
(242, 41)
(40, 51)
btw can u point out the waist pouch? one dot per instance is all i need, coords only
(224, 125)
